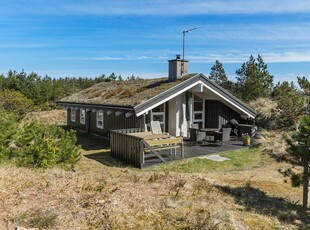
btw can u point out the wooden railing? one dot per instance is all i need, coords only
(127, 148)
(130, 145)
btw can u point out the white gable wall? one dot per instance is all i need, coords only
(177, 116)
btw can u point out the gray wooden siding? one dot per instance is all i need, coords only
(110, 122)
(216, 114)
(77, 123)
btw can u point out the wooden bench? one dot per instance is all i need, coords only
(156, 145)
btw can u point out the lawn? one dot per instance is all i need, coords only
(242, 159)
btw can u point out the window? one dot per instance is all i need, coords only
(198, 111)
(100, 119)
(82, 116)
(158, 114)
(73, 115)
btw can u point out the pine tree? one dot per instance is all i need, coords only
(304, 85)
(218, 74)
(282, 89)
(299, 149)
(254, 80)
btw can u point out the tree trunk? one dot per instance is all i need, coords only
(305, 187)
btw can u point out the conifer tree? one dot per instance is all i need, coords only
(299, 149)
(218, 74)
(254, 80)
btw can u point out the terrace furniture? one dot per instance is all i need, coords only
(209, 132)
(195, 126)
(249, 129)
(223, 136)
(234, 130)
(196, 136)
(155, 127)
(169, 143)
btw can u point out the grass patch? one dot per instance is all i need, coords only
(239, 160)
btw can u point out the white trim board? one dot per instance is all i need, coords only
(187, 88)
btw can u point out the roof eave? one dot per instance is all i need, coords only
(179, 88)
(92, 105)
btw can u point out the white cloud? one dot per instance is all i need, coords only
(282, 57)
(112, 58)
(157, 7)
(233, 57)
(24, 45)
(194, 7)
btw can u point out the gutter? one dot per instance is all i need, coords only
(78, 104)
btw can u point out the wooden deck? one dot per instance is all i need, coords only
(133, 147)
(191, 151)
(143, 149)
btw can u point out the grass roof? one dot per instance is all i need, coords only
(124, 93)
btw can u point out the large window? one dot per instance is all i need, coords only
(158, 114)
(198, 111)
(73, 115)
(82, 116)
(100, 119)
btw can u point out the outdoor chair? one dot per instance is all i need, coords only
(155, 127)
(223, 136)
(234, 131)
(195, 126)
(196, 136)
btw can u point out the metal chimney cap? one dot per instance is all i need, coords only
(178, 56)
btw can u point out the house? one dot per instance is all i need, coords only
(176, 102)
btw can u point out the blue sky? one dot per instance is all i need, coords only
(88, 38)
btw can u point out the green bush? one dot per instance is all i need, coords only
(45, 146)
(36, 145)
(8, 126)
(15, 101)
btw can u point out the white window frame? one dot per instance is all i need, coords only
(73, 115)
(97, 120)
(82, 116)
(194, 121)
(163, 123)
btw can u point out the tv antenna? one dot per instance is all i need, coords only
(185, 32)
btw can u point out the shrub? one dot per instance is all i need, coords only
(288, 111)
(45, 146)
(15, 101)
(36, 145)
(8, 127)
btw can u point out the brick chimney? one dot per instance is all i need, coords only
(177, 68)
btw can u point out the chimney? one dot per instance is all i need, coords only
(177, 68)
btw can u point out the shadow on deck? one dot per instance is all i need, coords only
(191, 151)
(97, 148)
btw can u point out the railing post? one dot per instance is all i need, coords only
(182, 149)
(142, 159)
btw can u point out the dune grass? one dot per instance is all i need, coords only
(238, 160)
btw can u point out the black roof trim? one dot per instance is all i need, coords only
(227, 94)
(158, 98)
(81, 105)
(143, 106)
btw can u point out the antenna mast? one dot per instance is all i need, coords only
(184, 32)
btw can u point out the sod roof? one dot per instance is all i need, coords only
(124, 93)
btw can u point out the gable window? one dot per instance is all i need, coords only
(82, 116)
(158, 114)
(198, 111)
(73, 115)
(100, 119)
